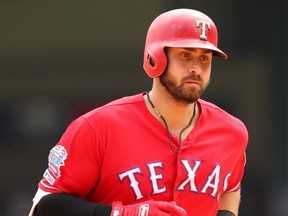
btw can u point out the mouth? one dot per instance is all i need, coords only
(192, 83)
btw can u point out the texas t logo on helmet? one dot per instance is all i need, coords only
(205, 26)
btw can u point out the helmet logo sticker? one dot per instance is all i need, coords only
(204, 26)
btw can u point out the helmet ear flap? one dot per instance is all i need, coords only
(150, 64)
(150, 60)
(154, 64)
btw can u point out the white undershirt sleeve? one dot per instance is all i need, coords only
(39, 194)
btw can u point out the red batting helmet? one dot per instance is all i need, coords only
(178, 28)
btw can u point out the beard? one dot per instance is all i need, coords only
(179, 92)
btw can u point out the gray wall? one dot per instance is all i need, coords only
(59, 59)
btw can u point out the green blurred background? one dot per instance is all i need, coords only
(59, 59)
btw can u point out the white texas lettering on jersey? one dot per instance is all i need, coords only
(134, 184)
(154, 178)
(190, 176)
(213, 181)
(210, 187)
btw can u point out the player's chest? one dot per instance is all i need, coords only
(164, 174)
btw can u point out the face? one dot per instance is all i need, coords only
(188, 72)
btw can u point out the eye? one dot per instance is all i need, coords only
(185, 54)
(204, 58)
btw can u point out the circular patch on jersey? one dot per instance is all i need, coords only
(56, 159)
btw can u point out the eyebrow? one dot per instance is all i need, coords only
(193, 49)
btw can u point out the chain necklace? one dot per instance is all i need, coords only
(166, 125)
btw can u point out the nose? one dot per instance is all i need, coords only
(194, 66)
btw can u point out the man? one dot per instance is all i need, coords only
(164, 152)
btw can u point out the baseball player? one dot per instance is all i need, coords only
(161, 152)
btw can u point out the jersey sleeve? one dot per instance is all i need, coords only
(234, 182)
(74, 163)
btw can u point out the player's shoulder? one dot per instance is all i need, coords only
(132, 99)
(207, 104)
(210, 107)
(116, 106)
(113, 111)
(214, 112)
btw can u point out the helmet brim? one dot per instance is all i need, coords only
(196, 44)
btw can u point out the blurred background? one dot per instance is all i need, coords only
(60, 59)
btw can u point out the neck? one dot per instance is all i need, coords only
(176, 116)
(182, 133)
(176, 113)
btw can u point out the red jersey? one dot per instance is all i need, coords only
(120, 152)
